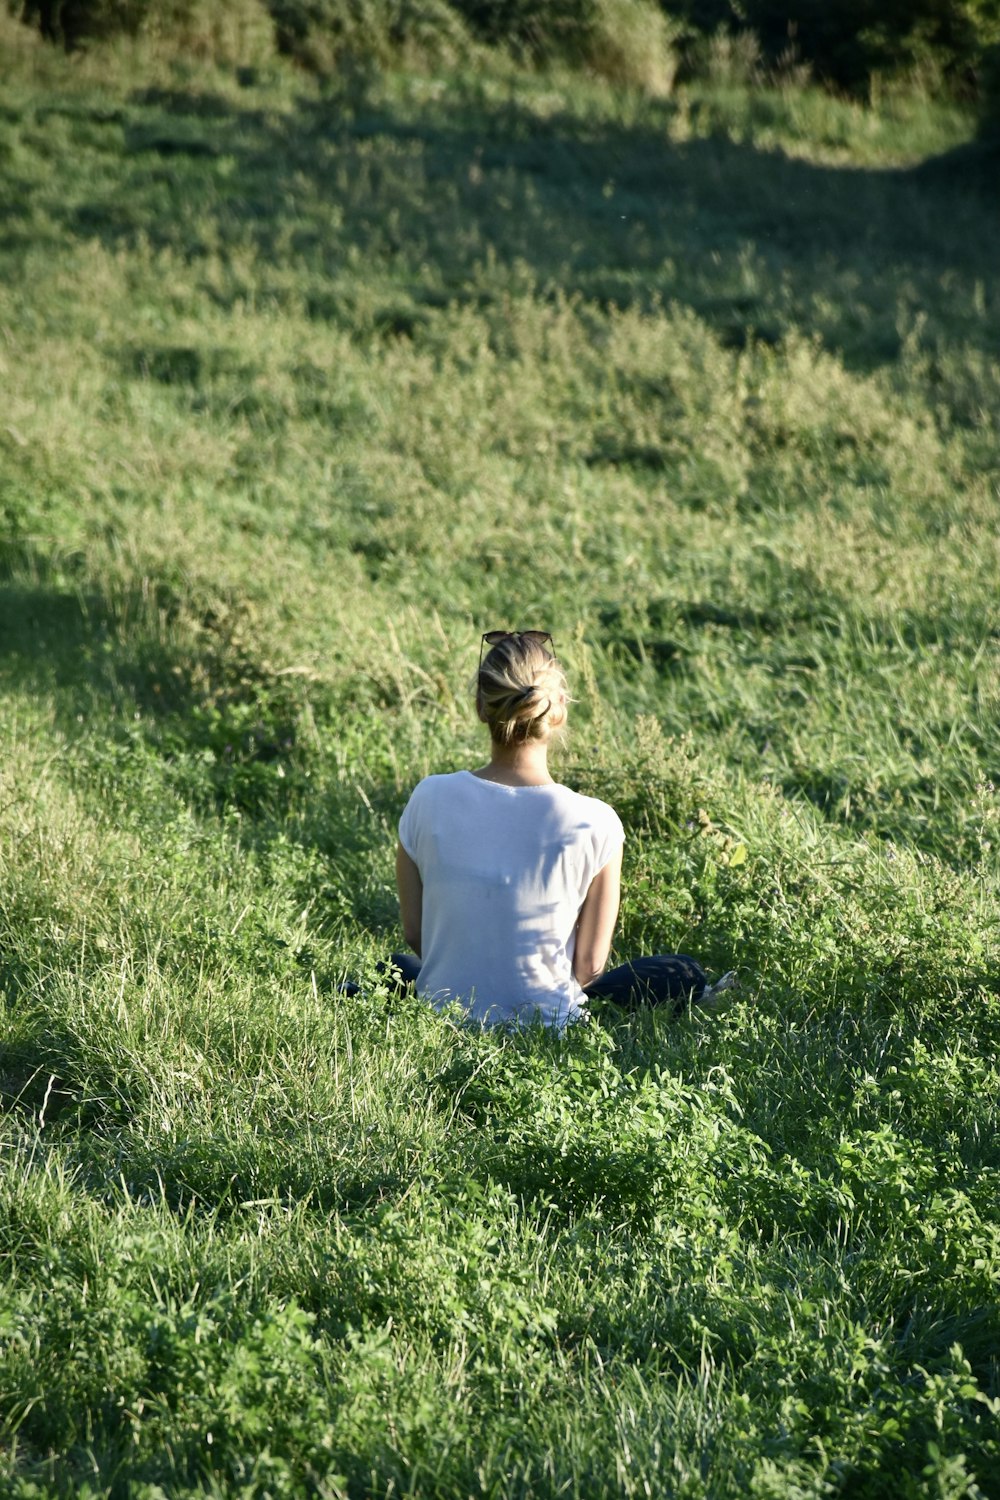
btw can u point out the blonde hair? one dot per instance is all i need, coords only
(520, 686)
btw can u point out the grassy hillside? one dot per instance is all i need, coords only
(302, 387)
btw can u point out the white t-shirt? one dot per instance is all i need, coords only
(505, 870)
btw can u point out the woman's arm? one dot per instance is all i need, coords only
(595, 926)
(411, 897)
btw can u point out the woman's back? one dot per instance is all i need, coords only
(505, 870)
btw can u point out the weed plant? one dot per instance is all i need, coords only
(304, 386)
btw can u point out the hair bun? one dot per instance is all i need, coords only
(519, 683)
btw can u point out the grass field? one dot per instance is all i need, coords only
(302, 387)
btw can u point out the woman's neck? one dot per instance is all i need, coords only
(517, 765)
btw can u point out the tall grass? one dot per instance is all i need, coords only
(305, 386)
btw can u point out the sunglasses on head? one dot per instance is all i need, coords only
(493, 638)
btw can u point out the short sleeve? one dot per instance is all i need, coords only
(408, 823)
(611, 836)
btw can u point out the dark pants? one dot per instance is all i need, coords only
(659, 979)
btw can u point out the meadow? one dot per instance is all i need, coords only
(303, 385)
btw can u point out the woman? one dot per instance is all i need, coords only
(508, 882)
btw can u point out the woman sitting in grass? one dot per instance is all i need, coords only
(509, 882)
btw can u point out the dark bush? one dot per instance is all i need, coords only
(534, 26)
(72, 22)
(850, 45)
(319, 32)
(314, 32)
(629, 42)
(853, 42)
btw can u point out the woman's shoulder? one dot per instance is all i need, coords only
(598, 811)
(425, 805)
(439, 783)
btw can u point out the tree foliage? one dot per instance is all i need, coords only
(856, 41)
(847, 45)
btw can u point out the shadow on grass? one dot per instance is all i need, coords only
(466, 200)
(163, 699)
(116, 659)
